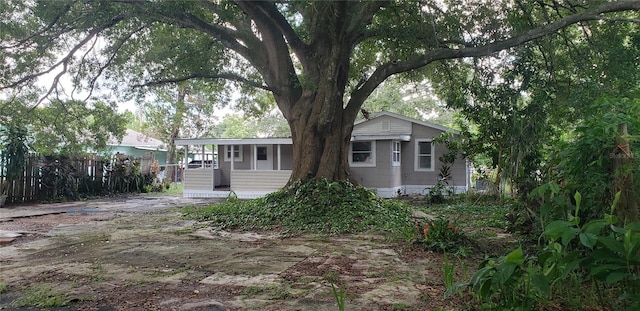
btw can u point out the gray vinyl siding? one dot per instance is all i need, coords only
(225, 166)
(383, 175)
(383, 125)
(259, 180)
(247, 157)
(198, 179)
(413, 177)
(286, 157)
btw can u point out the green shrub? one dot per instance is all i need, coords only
(440, 235)
(596, 256)
(313, 206)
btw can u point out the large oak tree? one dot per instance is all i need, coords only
(319, 59)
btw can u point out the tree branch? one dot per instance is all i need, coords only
(117, 48)
(388, 69)
(49, 26)
(225, 76)
(65, 60)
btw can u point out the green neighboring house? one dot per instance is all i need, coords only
(137, 144)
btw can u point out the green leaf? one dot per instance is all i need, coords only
(516, 257)
(541, 283)
(557, 228)
(454, 289)
(588, 239)
(611, 219)
(615, 202)
(568, 235)
(594, 226)
(601, 272)
(611, 244)
(615, 277)
(481, 276)
(578, 198)
(504, 272)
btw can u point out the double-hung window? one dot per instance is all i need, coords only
(233, 151)
(362, 153)
(395, 153)
(424, 155)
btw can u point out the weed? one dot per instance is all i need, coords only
(449, 271)
(331, 276)
(440, 235)
(3, 288)
(340, 295)
(41, 296)
(402, 307)
(424, 297)
(597, 256)
(274, 292)
(185, 230)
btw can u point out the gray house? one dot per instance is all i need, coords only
(389, 153)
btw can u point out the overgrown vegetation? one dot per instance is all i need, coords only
(65, 177)
(41, 296)
(440, 235)
(316, 206)
(598, 257)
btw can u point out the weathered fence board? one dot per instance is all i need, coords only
(30, 186)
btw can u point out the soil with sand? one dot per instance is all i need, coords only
(137, 253)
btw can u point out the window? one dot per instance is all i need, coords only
(424, 155)
(362, 153)
(261, 153)
(395, 153)
(237, 153)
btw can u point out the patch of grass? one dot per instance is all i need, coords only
(274, 292)
(185, 230)
(3, 288)
(99, 273)
(174, 189)
(41, 296)
(471, 215)
(316, 206)
(402, 307)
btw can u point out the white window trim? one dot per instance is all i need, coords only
(227, 158)
(363, 164)
(393, 152)
(417, 154)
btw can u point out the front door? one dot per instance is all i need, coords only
(264, 157)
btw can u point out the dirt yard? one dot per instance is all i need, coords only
(138, 253)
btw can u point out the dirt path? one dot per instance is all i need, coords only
(146, 257)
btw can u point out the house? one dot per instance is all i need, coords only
(137, 144)
(389, 153)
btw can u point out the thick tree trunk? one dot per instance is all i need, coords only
(170, 172)
(174, 132)
(627, 209)
(320, 144)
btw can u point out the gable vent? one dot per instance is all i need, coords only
(385, 125)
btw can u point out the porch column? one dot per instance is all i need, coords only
(254, 160)
(233, 158)
(203, 158)
(185, 164)
(213, 170)
(279, 157)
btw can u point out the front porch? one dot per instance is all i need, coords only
(246, 168)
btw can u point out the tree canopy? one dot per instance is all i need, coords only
(320, 59)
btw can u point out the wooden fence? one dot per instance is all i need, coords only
(32, 184)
